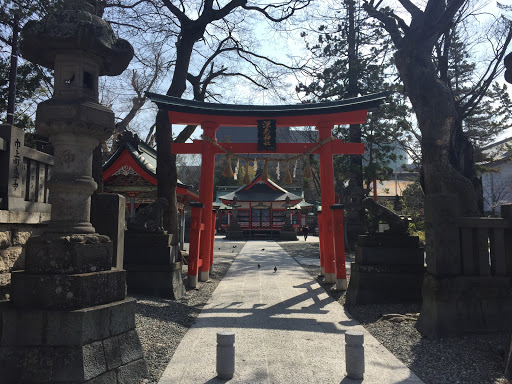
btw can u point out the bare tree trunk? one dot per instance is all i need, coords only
(167, 174)
(447, 153)
(166, 171)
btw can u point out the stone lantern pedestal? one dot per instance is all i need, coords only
(68, 320)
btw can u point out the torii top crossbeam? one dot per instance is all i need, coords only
(348, 111)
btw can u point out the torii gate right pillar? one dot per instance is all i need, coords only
(327, 198)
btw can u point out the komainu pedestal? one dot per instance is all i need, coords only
(151, 266)
(389, 268)
(288, 233)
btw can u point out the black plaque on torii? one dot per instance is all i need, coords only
(266, 135)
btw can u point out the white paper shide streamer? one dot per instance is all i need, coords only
(235, 176)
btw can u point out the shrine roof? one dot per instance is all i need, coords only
(143, 154)
(182, 111)
(260, 190)
(144, 157)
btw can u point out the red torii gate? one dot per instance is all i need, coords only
(324, 116)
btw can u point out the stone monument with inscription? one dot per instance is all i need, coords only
(68, 320)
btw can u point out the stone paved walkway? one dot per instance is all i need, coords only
(287, 329)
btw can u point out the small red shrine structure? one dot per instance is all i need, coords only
(324, 116)
(131, 172)
(262, 207)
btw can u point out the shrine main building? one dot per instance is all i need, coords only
(262, 207)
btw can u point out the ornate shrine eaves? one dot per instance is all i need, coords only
(184, 111)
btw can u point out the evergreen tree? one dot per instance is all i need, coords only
(352, 59)
(30, 86)
(25, 81)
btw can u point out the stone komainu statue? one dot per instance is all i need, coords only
(380, 213)
(149, 218)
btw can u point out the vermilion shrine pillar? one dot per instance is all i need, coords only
(205, 195)
(320, 230)
(195, 240)
(214, 220)
(328, 197)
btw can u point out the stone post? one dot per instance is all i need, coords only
(354, 354)
(225, 355)
(108, 218)
(69, 319)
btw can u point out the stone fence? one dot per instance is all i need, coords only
(485, 245)
(469, 270)
(25, 173)
(24, 208)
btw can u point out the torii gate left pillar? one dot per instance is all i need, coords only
(205, 195)
(327, 198)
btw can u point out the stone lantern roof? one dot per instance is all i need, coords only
(75, 27)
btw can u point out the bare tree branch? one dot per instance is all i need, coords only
(411, 8)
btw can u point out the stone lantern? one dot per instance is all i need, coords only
(287, 232)
(235, 230)
(68, 319)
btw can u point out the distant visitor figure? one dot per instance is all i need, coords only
(305, 232)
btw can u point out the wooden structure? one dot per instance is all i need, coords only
(263, 208)
(131, 172)
(324, 116)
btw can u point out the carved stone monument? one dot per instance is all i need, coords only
(389, 266)
(151, 265)
(68, 319)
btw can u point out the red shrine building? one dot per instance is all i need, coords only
(131, 172)
(262, 207)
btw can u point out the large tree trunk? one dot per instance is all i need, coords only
(166, 171)
(447, 153)
(356, 223)
(166, 162)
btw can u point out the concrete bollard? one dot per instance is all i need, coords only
(354, 354)
(225, 355)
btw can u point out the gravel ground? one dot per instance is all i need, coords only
(475, 359)
(162, 323)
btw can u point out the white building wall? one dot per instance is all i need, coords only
(497, 187)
